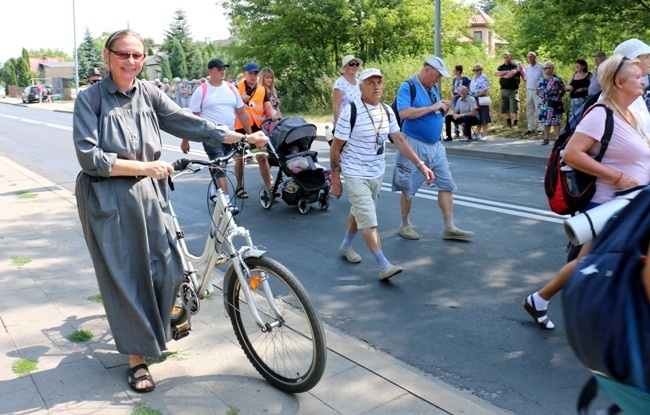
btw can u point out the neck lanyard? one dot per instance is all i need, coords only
(636, 124)
(372, 119)
(429, 91)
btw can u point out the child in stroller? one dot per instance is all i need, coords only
(290, 150)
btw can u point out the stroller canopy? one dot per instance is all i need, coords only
(293, 130)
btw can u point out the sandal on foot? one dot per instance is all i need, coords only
(536, 314)
(241, 193)
(133, 381)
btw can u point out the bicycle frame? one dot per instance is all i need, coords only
(221, 234)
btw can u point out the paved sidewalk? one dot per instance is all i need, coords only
(47, 298)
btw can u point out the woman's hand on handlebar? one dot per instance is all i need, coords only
(158, 169)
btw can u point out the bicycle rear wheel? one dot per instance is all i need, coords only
(291, 353)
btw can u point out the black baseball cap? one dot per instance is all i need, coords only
(217, 63)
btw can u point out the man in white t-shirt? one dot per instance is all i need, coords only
(362, 164)
(219, 102)
(534, 71)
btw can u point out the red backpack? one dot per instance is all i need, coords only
(569, 190)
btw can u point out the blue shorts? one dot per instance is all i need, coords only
(214, 152)
(407, 177)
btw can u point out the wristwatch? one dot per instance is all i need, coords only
(421, 163)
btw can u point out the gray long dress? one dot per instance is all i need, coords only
(126, 220)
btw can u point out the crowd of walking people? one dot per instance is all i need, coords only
(122, 188)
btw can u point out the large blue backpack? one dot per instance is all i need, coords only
(606, 310)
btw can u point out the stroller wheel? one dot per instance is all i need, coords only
(324, 201)
(266, 198)
(303, 206)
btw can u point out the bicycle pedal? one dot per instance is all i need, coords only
(180, 332)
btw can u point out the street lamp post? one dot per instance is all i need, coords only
(75, 51)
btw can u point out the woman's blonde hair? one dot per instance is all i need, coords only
(616, 67)
(263, 73)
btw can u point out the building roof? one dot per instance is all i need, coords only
(56, 64)
(34, 62)
(480, 19)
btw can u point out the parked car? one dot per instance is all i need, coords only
(30, 95)
(3, 93)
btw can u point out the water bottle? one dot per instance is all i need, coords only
(328, 134)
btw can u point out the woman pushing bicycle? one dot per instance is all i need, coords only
(122, 199)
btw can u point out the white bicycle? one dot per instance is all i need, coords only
(274, 320)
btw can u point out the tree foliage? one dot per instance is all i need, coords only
(179, 31)
(165, 68)
(22, 69)
(49, 53)
(177, 60)
(310, 37)
(89, 55)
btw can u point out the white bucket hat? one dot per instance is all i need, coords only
(632, 48)
(347, 59)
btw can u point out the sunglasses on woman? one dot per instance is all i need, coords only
(123, 56)
(353, 64)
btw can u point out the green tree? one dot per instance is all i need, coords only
(148, 43)
(88, 55)
(579, 27)
(198, 67)
(165, 68)
(179, 30)
(49, 53)
(23, 70)
(177, 60)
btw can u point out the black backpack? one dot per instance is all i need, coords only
(606, 310)
(394, 104)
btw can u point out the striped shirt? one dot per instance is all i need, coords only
(359, 157)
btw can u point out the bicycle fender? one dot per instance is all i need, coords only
(230, 273)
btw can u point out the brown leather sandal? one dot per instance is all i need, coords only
(536, 314)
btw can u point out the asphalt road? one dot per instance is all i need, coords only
(455, 312)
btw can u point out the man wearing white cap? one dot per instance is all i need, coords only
(362, 164)
(423, 119)
(636, 49)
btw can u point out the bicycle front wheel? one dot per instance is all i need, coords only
(290, 352)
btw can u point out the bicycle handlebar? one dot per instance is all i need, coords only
(184, 163)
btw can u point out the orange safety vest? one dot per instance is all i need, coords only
(254, 108)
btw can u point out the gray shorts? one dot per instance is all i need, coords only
(407, 177)
(363, 195)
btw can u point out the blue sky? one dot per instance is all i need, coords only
(52, 27)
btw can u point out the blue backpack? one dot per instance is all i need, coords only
(607, 313)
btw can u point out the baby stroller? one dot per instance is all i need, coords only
(289, 149)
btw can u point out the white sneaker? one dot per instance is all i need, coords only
(481, 138)
(390, 271)
(407, 232)
(350, 255)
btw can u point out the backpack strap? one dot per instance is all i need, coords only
(95, 98)
(411, 89)
(353, 114)
(609, 130)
